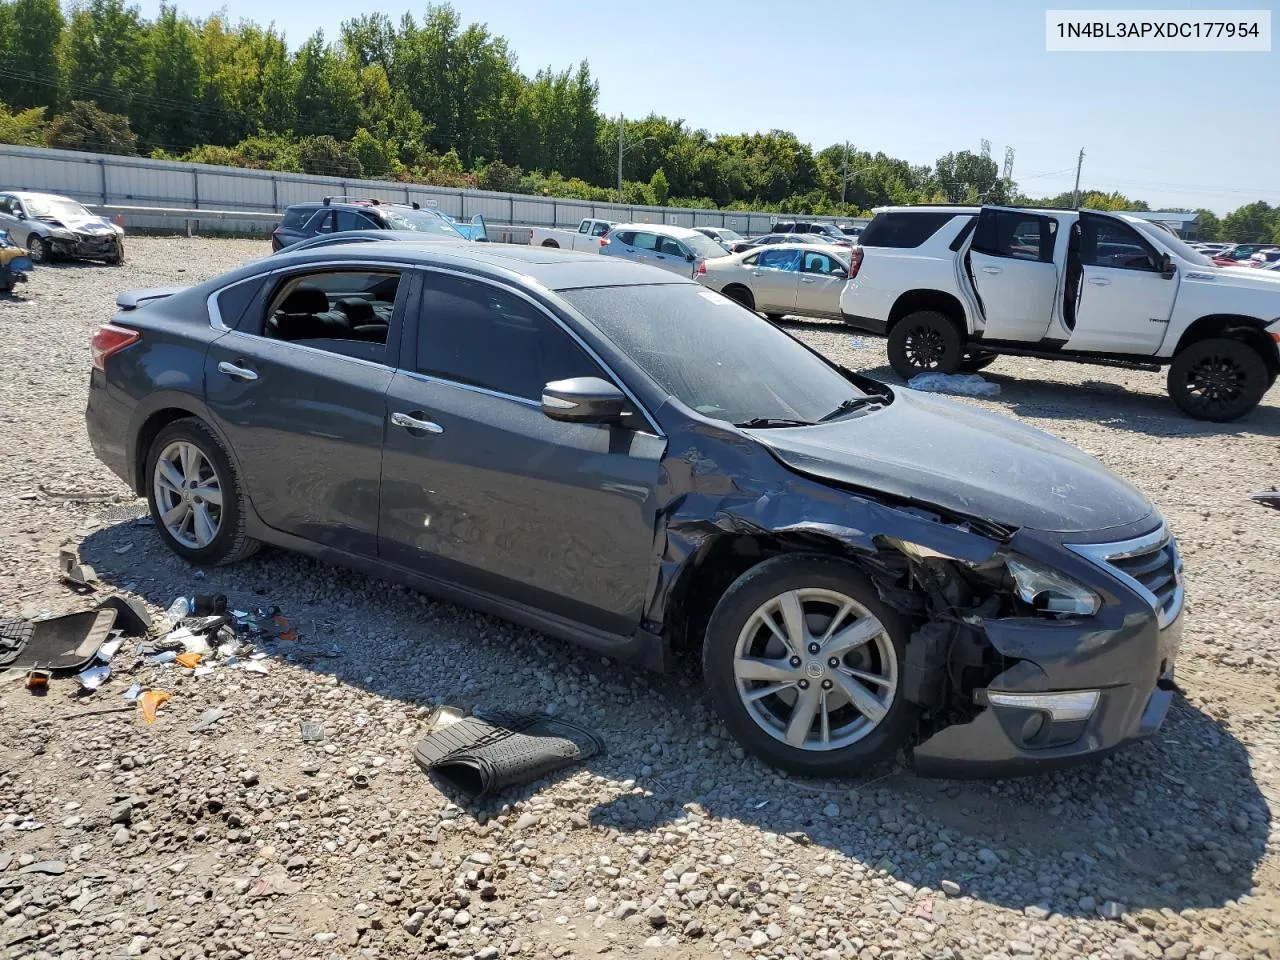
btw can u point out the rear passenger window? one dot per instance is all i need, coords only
(344, 312)
(646, 241)
(476, 334)
(234, 300)
(295, 217)
(1017, 236)
(780, 260)
(903, 229)
(350, 220)
(628, 237)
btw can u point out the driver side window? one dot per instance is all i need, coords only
(1110, 243)
(670, 247)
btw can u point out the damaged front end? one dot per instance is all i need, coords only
(1025, 651)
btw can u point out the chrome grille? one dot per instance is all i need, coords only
(1149, 565)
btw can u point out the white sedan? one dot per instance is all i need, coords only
(787, 278)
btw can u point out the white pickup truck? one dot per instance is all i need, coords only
(585, 238)
(954, 287)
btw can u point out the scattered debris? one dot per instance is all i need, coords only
(966, 384)
(110, 649)
(207, 720)
(94, 677)
(312, 732)
(38, 681)
(149, 702)
(190, 660)
(53, 868)
(66, 643)
(134, 692)
(478, 756)
(1268, 498)
(79, 576)
(132, 618)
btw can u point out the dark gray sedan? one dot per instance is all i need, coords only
(627, 460)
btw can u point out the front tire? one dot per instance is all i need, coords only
(1219, 379)
(804, 663)
(195, 495)
(925, 342)
(40, 249)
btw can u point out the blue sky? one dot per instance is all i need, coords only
(918, 80)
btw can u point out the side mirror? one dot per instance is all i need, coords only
(1166, 267)
(583, 400)
(689, 257)
(21, 215)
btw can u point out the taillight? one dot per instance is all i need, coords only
(604, 241)
(702, 266)
(109, 339)
(855, 261)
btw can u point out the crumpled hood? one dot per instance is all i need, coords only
(99, 225)
(936, 451)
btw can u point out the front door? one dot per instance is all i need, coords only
(674, 256)
(479, 488)
(775, 276)
(1124, 301)
(1011, 264)
(299, 392)
(822, 277)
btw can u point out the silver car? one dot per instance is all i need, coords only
(50, 226)
(789, 278)
(678, 249)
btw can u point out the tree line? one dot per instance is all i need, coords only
(427, 100)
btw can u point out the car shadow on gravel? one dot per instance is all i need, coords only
(1174, 822)
(1108, 404)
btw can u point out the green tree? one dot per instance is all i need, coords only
(326, 156)
(659, 187)
(30, 34)
(105, 55)
(1208, 226)
(86, 127)
(173, 117)
(1252, 223)
(24, 127)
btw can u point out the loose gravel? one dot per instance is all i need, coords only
(119, 838)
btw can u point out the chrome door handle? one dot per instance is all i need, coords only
(413, 423)
(990, 269)
(807, 280)
(757, 273)
(1100, 281)
(240, 373)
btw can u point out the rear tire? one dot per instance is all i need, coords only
(863, 727)
(925, 342)
(740, 295)
(1219, 379)
(216, 477)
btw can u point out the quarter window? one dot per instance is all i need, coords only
(345, 312)
(903, 229)
(482, 336)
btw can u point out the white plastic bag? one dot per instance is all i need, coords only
(967, 384)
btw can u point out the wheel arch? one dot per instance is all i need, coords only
(160, 411)
(927, 299)
(549, 243)
(729, 288)
(721, 560)
(1251, 330)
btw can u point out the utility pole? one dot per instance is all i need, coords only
(1075, 195)
(621, 128)
(844, 176)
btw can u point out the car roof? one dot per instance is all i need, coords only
(677, 232)
(548, 267)
(29, 194)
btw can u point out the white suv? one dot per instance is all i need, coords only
(954, 287)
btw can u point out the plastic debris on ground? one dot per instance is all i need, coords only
(79, 576)
(207, 720)
(150, 702)
(965, 384)
(188, 660)
(312, 732)
(94, 677)
(110, 649)
(134, 692)
(1268, 498)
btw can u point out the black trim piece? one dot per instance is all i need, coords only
(1050, 350)
(869, 324)
(963, 235)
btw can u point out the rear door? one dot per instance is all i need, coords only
(822, 277)
(1124, 300)
(1011, 264)
(298, 390)
(775, 278)
(479, 488)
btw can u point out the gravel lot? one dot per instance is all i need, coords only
(242, 841)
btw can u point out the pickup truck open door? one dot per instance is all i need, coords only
(1124, 295)
(1010, 263)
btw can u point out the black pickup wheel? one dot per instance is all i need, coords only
(925, 342)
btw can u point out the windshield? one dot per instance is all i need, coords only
(728, 236)
(715, 356)
(1171, 242)
(421, 222)
(52, 208)
(704, 247)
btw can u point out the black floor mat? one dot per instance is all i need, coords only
(479, 757)
(65, 643)
(14, 636)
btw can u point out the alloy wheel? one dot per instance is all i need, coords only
(188, 495)
(39, 249)
(1215, 382)
(815, 669)
(924, 347)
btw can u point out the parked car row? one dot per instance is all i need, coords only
(1239, 254)
(621, 457)
(334, 216)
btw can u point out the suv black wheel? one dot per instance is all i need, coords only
(195, 495)
(804, 663)
(1219, 379)
(924, 342)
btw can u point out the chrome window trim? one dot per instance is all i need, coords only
(471, 387)
(573, 335)
(1101, 554)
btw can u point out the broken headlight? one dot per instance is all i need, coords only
(1049, 591)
